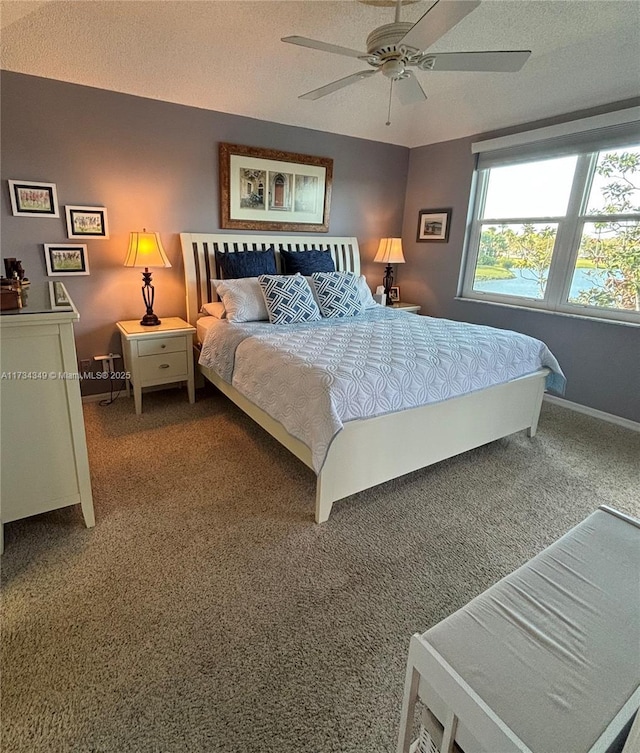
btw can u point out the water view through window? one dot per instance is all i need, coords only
(588, 217)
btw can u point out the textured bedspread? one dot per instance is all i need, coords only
(315, 376)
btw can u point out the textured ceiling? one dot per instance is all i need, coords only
(228, 56)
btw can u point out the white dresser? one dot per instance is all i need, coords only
(43, 446)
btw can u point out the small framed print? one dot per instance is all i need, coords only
(433, 225)
(66, 259)
(33, 199)
(86, 222)
(59, 297)
(394, 293)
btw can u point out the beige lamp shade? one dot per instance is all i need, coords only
(390, 251)
(145, 250)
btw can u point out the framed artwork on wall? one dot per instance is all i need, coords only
(266, 189)
(33, 199)
(86, 222)
(66, 259)
(433, 225)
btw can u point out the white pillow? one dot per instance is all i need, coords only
(215, 308)
(366, 298)
(242, 298)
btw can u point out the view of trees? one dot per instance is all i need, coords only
(609, 252)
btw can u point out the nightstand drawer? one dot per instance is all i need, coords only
(157, 345)
(163, 367)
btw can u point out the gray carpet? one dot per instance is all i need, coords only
(207, 612)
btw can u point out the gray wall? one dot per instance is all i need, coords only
(601, 360)
(154, 165)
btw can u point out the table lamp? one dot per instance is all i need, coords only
(389, 252)
(145, 250)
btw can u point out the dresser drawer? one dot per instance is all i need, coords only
(157, 345)
(164, 367)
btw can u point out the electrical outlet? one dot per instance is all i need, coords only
(85, 365)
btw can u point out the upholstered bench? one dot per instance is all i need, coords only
(546, 661)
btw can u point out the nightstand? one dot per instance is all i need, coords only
(410, 308)
(158, 355)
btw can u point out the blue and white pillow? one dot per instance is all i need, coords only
(337, 293)
(289, 299)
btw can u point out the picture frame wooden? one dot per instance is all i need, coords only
(33, 198)
(394, 293)
(66, 259)
(86, 222)
(433, 225)
(268, 189)
(58, 295)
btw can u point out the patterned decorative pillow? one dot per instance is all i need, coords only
(242, 298)
(337, 293)
(289, 299)
(307, 262)
(247, 263)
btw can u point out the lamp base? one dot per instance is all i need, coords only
(150, 320)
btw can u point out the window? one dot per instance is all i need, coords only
(558, 230)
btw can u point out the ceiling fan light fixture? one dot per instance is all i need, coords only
(393, 69)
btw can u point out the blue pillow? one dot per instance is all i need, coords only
(289, 299)
(247, 263)
(307, 262)
(338, 293)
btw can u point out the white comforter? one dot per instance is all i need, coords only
(314, 377)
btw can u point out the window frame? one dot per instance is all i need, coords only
(565, 250)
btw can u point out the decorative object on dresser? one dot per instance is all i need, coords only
(394, 294)
(33, 199)
(145, 250)
(86, 222)
(162, 355)
(433, 225)
(44, 454)
(267, 189)
(66, 259)
(389, 252)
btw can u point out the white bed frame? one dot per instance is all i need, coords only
(370, 451)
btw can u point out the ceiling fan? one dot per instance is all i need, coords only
(393, 49)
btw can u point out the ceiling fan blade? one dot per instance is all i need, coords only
(409, 90)
(314, 44)
(339, 84)
(441, 16)
(507, 61)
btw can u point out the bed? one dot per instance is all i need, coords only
(371, 444)
(545, 660)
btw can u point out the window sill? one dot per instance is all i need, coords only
(536, 310)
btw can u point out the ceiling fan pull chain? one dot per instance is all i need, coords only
(390, 93)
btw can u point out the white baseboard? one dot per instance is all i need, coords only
(627, 423)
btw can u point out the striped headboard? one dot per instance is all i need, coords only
(199, 256)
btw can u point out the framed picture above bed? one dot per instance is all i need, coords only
(266, 189)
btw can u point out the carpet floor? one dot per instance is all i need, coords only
(206, 612)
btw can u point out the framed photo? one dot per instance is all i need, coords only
(433, 225)
(265, 189)
(33, 199)
(58, 294)
(394, 293)
(66, 259)
(86, 222)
